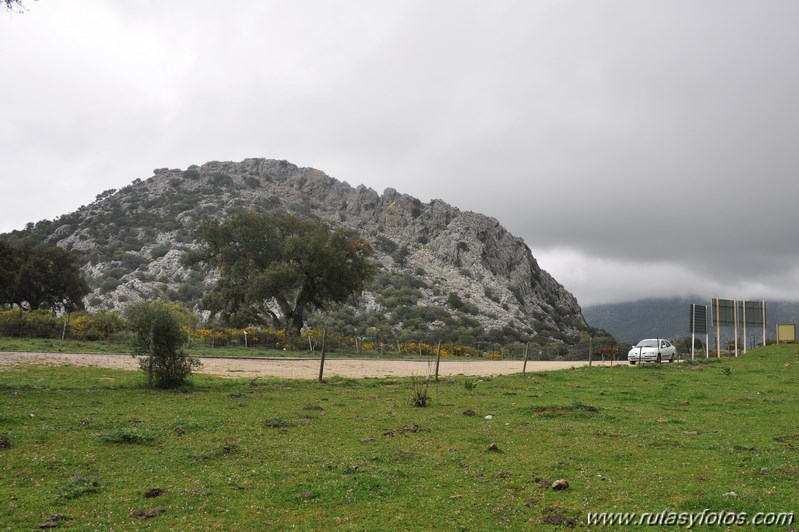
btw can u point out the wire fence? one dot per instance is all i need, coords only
(109, 326)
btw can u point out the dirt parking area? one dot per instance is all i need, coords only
(300, 368)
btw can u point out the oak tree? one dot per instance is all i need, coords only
(275, 267)
(40, 277)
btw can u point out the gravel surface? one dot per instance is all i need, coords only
(300, 368)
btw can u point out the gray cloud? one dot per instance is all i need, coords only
(641, 148)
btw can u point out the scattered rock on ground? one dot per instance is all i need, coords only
(53, 521)
(147, 514)
(559, 520)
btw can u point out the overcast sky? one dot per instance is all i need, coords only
(641, 148)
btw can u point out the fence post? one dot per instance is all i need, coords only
(526, 353)
(64, 331)
(322, 360)
(438, 359)
(150, 361)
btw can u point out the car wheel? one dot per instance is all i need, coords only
(672, 358)
(632, 362)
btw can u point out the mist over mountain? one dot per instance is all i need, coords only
(670, 318)
(442, 272)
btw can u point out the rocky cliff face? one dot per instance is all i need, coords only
(130, 242)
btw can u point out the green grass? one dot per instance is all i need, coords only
(46, 345)
(91, 447)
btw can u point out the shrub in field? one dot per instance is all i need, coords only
(158, 339)
(30, 323)
(96, 326)
(420, 397)
(79, 486)
(277, 423)
(127, 436)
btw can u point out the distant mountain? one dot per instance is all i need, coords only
(442, 272)
(669, 318)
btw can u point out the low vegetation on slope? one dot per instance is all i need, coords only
(440, 271)
(91, 448)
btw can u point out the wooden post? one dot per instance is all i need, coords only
(591, 351)
(64, 331)
(526, 354)
(152, 356)
(438, 359)
(322, 360)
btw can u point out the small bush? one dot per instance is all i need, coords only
(420, 397)
(579, 406)
(79, 486)
(278, 423)
(34, 323)
(159, 337)
(129, 437)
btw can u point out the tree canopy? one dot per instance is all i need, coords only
(13, 5)
(275, 267)
(40, 277)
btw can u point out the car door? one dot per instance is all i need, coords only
(667, 351)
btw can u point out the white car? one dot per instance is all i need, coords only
(652, 350)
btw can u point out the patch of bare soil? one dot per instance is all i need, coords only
(299, 369)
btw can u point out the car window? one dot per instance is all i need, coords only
(647, 343)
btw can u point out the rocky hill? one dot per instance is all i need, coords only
(459, 273)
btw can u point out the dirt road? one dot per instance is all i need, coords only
(300, 368)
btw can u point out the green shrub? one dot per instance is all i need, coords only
(79, 486)
(35, 323)
(103, 325)
(278, 423)
(127, 436)
(158, 339)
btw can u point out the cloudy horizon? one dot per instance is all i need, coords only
(640, 148)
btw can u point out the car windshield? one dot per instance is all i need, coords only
(647, 343)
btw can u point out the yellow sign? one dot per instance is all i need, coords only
(786, 332)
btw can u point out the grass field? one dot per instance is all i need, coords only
(87, 448)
